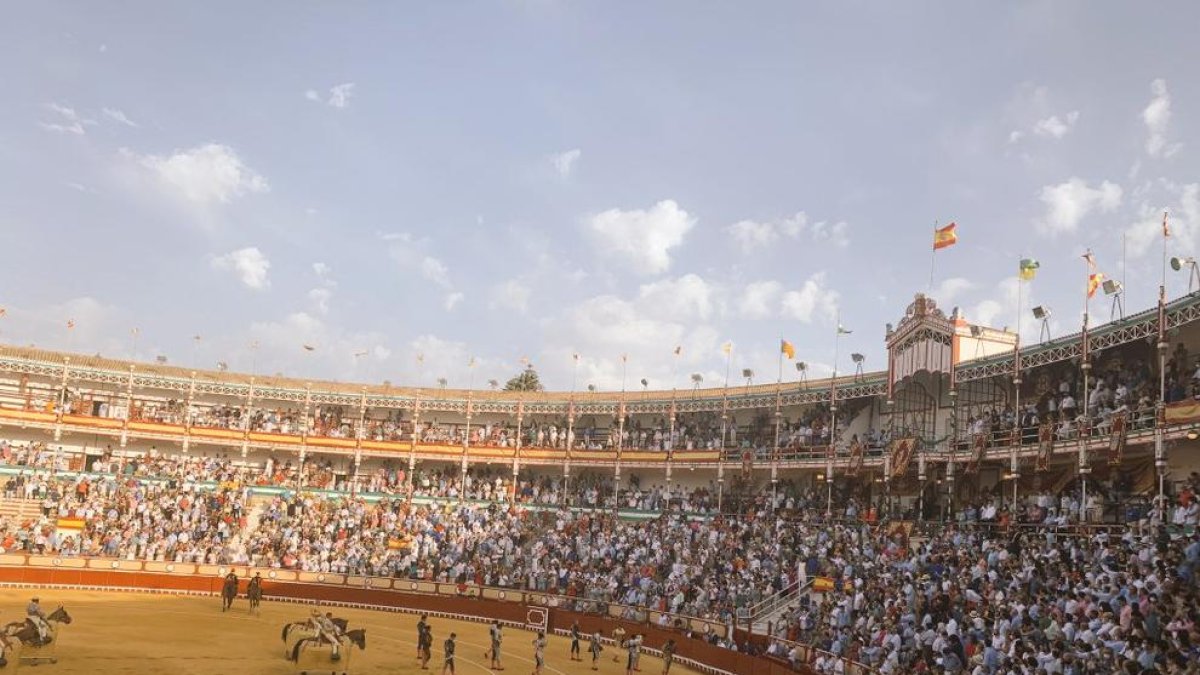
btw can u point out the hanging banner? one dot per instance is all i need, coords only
(1182, 412)
(826, 584)
(1117, 437)
(978, 447)
(856, 458)
(902, 454)
(1045, 446)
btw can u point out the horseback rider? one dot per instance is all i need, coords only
(255, 585)
(327, 630)
(38, 618)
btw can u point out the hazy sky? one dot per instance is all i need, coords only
(539, 178)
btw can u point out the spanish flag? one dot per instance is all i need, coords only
(787, 349)
(945, 236)
(1094, 281)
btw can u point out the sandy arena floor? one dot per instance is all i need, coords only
(147, 634)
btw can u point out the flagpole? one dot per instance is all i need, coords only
(671, 418)
(1160, 454)
(1162, 288)
(778, 421)
(725, 395)
(837, 337)
(932, 257)
(1086, 367)
(1014, 459)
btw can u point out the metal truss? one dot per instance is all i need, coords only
(1140, 326)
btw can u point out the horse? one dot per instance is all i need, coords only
(229, 591)
(27, 631)
(300, 630)
(10, 651)
(254, 593)
(309, 659)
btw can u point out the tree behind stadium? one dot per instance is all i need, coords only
(527, 380)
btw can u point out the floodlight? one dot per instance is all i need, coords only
(1111, 287)
(1041, 312)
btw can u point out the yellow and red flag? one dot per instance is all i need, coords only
(1094, 281)
(945, 236)
(787, 349)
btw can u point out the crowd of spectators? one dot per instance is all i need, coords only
(988, 600)
(984, 595)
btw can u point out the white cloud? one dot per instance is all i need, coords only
(564, 162)
(339, 95)
(1054, 127)
(1014, 136)
(834, 233)
(281, 350)
(65, 120)
(758, 299)
(998, 310)
(410, 255)
(320, 298)
(644, 237)
(118, 116)
(1157, 117)
(684, 298)
(1069, 203)
(205, 174)
(82, 188)
(513, 295)
(249, 264)
(435, 270)
(812, 299)
(751, 235)
(99, 327)
(950, 289)
(1183, 204)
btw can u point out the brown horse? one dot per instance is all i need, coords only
(27, 631)
(229, 591)
(254, 593)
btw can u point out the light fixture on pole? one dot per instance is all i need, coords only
(977, 332)
(1178, 264)
(858, 365)
(1042, 313)
(494, 384)
(749, 375)
(1116, 290)
(645, 384)
(802, 368)
(697, 378)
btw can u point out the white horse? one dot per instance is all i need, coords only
(313, 655)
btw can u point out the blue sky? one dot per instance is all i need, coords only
(534, 179)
